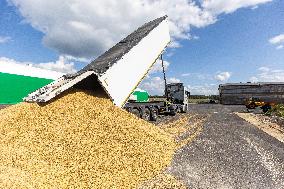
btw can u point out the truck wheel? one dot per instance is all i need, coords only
(146, 114)
(251, 106)
(154, 114)
(172, 112)
(136, 112)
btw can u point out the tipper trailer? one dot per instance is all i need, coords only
(118, 71)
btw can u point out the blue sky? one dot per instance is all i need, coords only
(232, 45)
(237, 43)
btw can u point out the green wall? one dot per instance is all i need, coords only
(14, 87)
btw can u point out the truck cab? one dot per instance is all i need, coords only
(178, 95)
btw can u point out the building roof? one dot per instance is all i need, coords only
(251, 84)
(106, 60)
(28, 70)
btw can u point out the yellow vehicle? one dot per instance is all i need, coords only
(253, 102)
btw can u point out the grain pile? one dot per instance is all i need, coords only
(79, 141)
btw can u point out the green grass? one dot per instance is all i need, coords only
(277, 110)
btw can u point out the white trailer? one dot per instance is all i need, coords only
(119, 70)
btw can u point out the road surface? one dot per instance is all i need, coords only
(230, 153)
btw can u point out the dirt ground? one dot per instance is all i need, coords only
(265, 124)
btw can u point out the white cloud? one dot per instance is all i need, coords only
(156, 85)
(277, 39)
(157, 67)
(279, 47)
(84, 28)
(253, 79)
(4, 39)
(268, 75)
(199, 76)
(264, 69)
(185, 74)
(229, 6)
(173, 80)
(153, 85)
(206, 89)
(61, 65)
(223, 76)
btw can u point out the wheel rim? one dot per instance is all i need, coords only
(136, 112)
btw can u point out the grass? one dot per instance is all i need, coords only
(277, 110)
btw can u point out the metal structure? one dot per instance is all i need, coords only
(177, 94)
(165, 78)
(119, 70)
(19, 80)
(238, 93)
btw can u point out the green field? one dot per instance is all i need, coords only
(14, 87)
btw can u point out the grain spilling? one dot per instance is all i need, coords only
(79, 141)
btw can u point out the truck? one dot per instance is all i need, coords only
(117, 73)
(174, 100)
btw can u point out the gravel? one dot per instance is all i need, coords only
(229, 153)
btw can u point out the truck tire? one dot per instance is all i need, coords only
(251, 106)
(154, 114)
(136, 112)
(172, 112)
(146, 114)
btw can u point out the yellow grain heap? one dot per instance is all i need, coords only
(79, 141)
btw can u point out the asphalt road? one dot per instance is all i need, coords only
(230, 153)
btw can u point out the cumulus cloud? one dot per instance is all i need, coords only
(157, 67)
(62, 65)
(263, 69)
(223, 76)
(279, 47)
(278, 41)
(268, 75)
(4, 39)
(156, 85)
(83, 28)
(229, 6)
(173, 80)
(206, 89)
